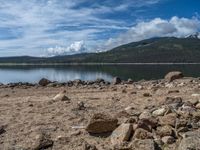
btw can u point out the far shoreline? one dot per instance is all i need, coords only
(84, 64)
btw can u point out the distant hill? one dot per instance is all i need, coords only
(155, 50)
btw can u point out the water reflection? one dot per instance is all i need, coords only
(33, 74)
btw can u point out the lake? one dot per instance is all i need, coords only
(63, 73)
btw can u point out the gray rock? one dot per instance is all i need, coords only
(142, 134)
(168, 139)
(190, 141)
(44, 82)
(147, 144)
(121, 134)
(174, 75)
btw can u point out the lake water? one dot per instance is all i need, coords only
(32, 74)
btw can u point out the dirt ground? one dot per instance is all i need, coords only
(26, 110)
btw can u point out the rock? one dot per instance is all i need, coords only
(147, 124)
(147, 144)
(169, 119)
(196, 116)
(145, 115)
(87, 146)
(174, 75)
(173, 91)
(44, 82)
(2, 130)
(101, 123)
(173, 102)
(168, 139)
(194, 101)
(147, 95)
(195, 95)
(139, 87)
(116, 80)
(187, 108)
(164, 131)
(198, 106)
(190, 141)
(181, 122)
(38, 141)
(81, 105)
(159, 112)
(61, 97)
(121, 134)
(142, 134)
(130, 81)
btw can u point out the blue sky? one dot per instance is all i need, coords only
(60, 27)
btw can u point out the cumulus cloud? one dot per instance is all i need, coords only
(176, 27)
(74, 48)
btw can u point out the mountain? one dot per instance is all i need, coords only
(154, 50)
(195, 35)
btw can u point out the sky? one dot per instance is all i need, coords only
(64, 27)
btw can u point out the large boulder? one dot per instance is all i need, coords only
(121, 134)
(171, 76)
(101, 123)
(44, 82)
(190, 141)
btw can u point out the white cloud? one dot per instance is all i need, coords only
(34, 20)
(176, 27)
(74, 48)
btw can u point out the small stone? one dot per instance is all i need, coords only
(130, 81)
(38, 141)
(173, 102)
(181, 122)
(194, 101)
(168, 139)
(44, 82)
(2, 130)
(81, 105)
(147, 95)
(61, 97)
(121, 134)
(169, 119)
(147, 144)
(87, 146)
(116, 80)
(142, 134)
(101, 123)
(171, 76)
(164, 131)
(173, 91)
(195, 95)
(159, 112)
(198, 106)
(147, 124)
(145, 115)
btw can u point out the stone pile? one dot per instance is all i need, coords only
(175, 124)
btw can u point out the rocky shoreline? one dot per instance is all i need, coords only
(99, 115)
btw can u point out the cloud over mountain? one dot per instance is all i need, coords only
(74, 48)
(176, 27)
